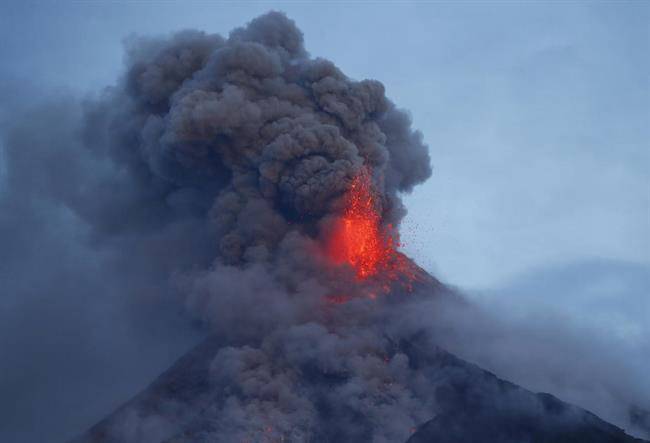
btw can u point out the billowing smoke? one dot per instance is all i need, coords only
(226, 161)
(209, 178)
(247, 145)
(250, 134)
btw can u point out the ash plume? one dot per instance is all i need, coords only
(227, 159)
(247, 146)
(251, 134)
(207, 180)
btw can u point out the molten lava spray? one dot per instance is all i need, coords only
(359, 239)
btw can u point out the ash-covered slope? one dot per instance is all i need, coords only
(474, 405)
(459, 402)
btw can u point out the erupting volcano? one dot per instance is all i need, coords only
(276, 180)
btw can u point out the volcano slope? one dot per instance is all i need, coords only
(457, 401)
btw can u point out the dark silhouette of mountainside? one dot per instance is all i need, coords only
(473, 405)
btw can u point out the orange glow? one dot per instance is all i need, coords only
(359, 239)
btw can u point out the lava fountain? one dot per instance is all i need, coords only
(360, 240)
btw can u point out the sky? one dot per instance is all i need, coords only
(537, 116)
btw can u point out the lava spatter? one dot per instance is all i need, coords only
(360, 240)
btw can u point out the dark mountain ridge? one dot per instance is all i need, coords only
(470, 404)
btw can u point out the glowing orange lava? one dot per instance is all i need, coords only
(359, 239)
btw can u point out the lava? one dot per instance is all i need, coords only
(359, 239)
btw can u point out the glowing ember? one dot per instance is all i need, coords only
(359, 239)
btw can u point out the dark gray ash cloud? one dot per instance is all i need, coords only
(249, 134)
(201, 182)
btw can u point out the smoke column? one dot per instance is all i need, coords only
(249, 172)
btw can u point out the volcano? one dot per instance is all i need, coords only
(469, 404)
(262, 189)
